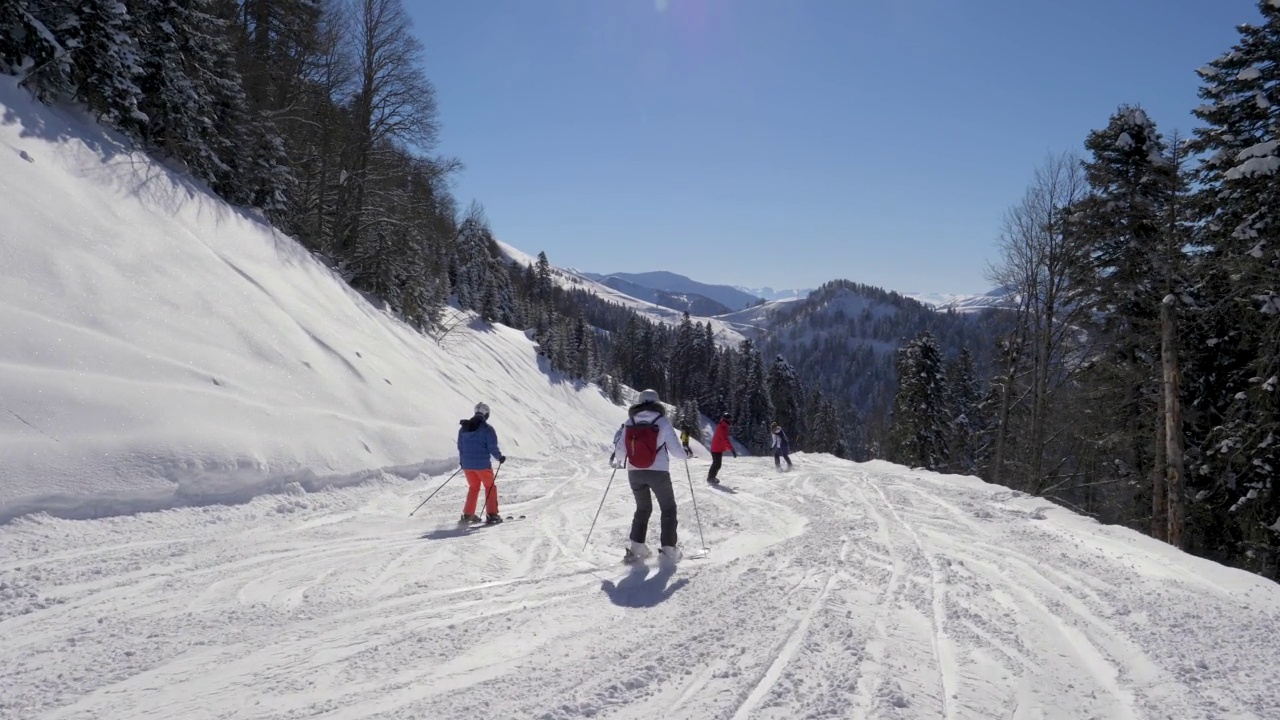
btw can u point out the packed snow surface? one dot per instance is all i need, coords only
(837, 590)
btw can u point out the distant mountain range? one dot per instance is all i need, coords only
(693, 303)
(998, 298)
(768, 293)
(678, 292)
(676, 287)
(840, 337)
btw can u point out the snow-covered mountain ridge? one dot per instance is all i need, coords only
(661, 281)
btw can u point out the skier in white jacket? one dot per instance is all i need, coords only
(644, 445)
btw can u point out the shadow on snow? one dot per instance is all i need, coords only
(639, 589)
(447, 532)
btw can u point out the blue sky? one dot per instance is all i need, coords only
(790, 142)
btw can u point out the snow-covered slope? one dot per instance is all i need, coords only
(666, 281)
(725, 332)
(159, 348)
(835, 591)
(964, 303)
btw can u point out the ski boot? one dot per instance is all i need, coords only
(636, 552)
(471, 519)
(670, 554)
(493, 520)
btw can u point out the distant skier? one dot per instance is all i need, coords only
(684, 443)
(781, 447)
(644, 444)
(477, 442)
(720, 444)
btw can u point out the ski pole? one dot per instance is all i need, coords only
(433, 494)
(495, 486)
(695, 504)
(597, 517)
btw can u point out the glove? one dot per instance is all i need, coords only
(617, 464)
(502, 459)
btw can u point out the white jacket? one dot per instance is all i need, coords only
(668, 440)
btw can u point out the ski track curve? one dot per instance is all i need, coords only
(834, 591)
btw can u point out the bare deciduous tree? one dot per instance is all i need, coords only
(392, 104)
(1036, 253)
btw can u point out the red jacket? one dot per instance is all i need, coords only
(720, 440)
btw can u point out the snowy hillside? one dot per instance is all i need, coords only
(768, 293)
(963, 303)
(666, 281)
(163, 351)
(160, 348)
(725, 332)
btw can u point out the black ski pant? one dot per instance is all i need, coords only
(645, 485)
(779, 455)
(715, 466)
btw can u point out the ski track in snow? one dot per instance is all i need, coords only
(834, 591)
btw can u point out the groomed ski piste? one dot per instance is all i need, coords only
(834, 591)
(209, 450)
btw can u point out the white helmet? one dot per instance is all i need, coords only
(648, 396)
(482, 409)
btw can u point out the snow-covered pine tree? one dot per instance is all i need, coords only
(481, 280)
(753, 409)
(964, 410)
(1238, 274)
(687, 419)
(825, 434)
(29, 47)
(499, 302)
(190, 88)
(706, 364)
(1120, 278)
(919, 433)
(104, 61)
(582, 349)
(726, 383)
(787, 396)
(543, 282)
(469, 261)
(279, 43)
(684, 372)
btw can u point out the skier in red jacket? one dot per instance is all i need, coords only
(720, 444)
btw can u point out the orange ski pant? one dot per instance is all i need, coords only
(476, 478)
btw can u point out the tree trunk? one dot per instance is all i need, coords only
(1159, 469)
(1173, 422)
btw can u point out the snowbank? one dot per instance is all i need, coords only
(160, 348)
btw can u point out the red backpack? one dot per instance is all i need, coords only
(641, 442)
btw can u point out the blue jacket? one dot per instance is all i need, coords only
(477, 442)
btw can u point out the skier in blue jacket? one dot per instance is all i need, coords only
(477, 442)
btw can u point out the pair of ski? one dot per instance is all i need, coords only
(630, 559)
(482, 524)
